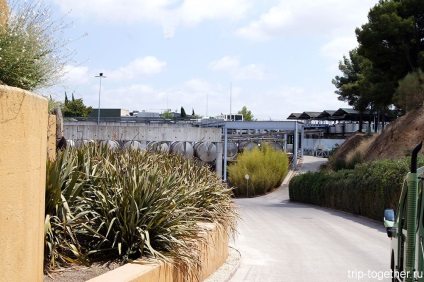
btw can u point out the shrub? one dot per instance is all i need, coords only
(366, 190)
(266, 168)
(33, 50)
(127, 204)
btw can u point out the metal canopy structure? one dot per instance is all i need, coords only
(285, 127)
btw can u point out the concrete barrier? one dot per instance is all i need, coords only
(139, 132)
(213, 252)
(23, 143)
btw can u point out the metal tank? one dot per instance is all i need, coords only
(351, 127)
(157, 146)
(332, 129)
(182, 148)
(135, 145)
(339, 128)
(83, 142)
(70, 143)
(275, 145)
(247, 145)
(232, 150)
(111, 144)
(205, 151)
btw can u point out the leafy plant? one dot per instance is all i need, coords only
(266, 168)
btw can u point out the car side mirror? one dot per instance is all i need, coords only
(389, 221)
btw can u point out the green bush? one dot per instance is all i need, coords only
(266, 168)
(126, 204)
(366, 190)
(33, 49)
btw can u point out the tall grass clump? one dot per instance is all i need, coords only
(266, 168)
(130, 204)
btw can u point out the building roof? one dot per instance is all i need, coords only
(326, 114)
(294, 116)
(309, 115)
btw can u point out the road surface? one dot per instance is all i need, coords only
(281, 240)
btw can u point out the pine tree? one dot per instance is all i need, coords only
(183, 113)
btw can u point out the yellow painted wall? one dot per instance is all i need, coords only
(23, 143)
(213, 253)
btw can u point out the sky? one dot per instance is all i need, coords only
(276, 57)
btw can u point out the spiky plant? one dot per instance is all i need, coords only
(134, 204)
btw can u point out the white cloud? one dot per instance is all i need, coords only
(237, 71)
(292, 99)
(76, 75)
(168, 13)
(336, 49)
(225, 63)
(195, 11)
(339, 47)
(148, 65)
(307, 17)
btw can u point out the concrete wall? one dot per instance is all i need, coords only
(23, 143)
(139, 132)
(213, 253)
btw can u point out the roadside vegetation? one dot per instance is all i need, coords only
(366, 190)
(266, 168)
(104, 204)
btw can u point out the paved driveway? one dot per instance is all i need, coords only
(284, 241)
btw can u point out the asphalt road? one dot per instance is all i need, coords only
(284, 241)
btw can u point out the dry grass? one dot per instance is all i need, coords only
(359, 151)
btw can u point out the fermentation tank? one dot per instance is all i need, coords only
(83, 142)
(232, 150)
(135, 145)
(157, 146)
(70, 143)
(182, 148)
(111, 144)
(205, 151)
(247, 145)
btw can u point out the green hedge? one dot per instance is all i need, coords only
(366, 190)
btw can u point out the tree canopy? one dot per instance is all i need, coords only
(75, 108)
(390, 46)
(33, 50)
(247, 115)
(410, 93)
(183, 113)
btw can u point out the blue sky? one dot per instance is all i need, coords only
(279, 56)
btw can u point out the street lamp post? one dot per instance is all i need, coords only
(100, 76)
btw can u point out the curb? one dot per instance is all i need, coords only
(228, 268)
